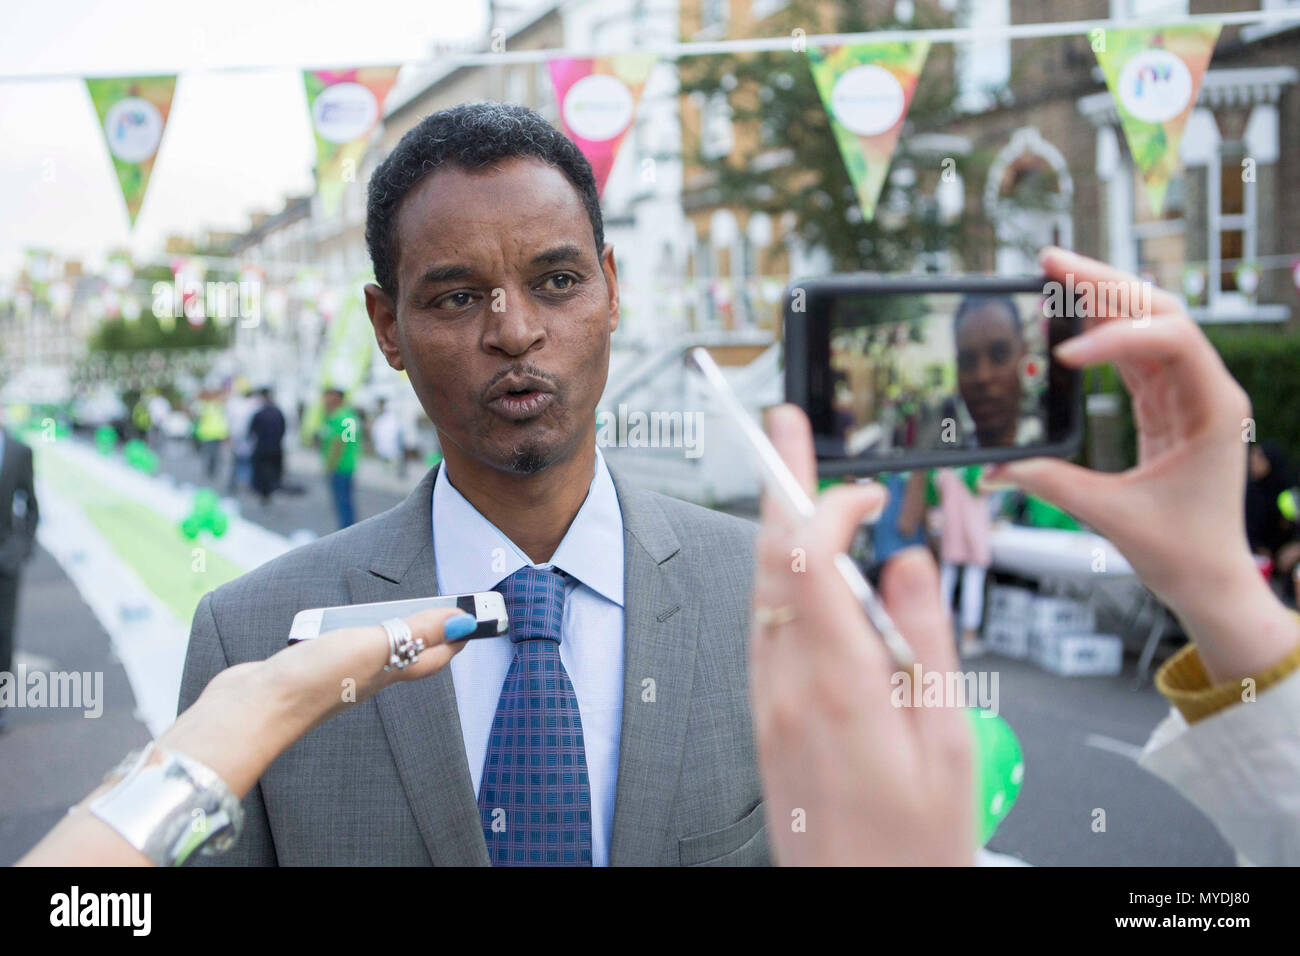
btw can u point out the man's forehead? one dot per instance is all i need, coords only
(510, 193)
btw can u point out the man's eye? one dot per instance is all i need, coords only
(453, 300)
(560, 282)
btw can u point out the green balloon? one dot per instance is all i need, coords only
(105, 439)
(205, 502)
(999, 770)
(206, 514)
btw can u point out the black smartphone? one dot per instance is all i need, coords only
(917, 372)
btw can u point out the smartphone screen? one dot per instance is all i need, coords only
(949, 375)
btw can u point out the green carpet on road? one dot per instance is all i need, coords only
(151, 545)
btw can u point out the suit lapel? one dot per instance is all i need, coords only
(660, 616)
(420, 718)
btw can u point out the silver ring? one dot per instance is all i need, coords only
(767, 617)
(403, 646)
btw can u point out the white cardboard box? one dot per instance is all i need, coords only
(1007, 636)
(1078, 655)
(1061, 615)
(1010, 603)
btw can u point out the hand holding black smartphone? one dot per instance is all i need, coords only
(915, 372)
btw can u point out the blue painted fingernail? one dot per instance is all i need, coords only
(462, 625)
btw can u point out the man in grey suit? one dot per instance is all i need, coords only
(497, 295)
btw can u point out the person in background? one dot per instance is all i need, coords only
(18, 518)
(386, 435)
(964, 545)
(902, 523)
(266, 437)
(340, 439)
(239, 412)
(159, 410)
(211, 429)
(140, 419)
(1271, 532)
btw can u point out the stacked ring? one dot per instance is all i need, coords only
(403, 646)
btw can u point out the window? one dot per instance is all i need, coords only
(1147, 9)
(517, 85)
(1227, 217)
(1231, 220)
(716, 138)
(713, 16)
(761, 9)
(983, 65)
(544, 92)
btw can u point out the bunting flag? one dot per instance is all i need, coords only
(132, 113)
(1154, 74)
(345, 107)
(866, 89)
(349, 341)
(598, 99)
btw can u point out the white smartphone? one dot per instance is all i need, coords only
(488, 608)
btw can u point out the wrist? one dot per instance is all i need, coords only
(1239, 626)
(238, 726)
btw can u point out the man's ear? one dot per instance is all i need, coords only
(383, 317)
(610, 269)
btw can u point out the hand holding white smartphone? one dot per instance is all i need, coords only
(488, 608)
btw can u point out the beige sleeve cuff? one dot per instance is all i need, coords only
(1183, 681)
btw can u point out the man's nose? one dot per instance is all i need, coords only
(514, 324)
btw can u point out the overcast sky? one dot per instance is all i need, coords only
(235, 141)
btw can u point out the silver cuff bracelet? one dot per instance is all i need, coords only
(170, 807)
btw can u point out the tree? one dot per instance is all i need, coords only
(774, 93)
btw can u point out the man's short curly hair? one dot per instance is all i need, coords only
(469, 136)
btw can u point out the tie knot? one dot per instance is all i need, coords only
(535, 602)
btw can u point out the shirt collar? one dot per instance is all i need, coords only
(472, 554)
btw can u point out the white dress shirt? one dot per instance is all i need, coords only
(472, 554)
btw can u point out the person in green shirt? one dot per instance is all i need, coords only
(340, 439)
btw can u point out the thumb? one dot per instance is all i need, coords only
(1082, 492)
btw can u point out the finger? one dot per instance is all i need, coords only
(841, 510)
(429, 626)
(1064, 265)
(791, 434)
(909, 586)
(1086, 494)
(1175, 341)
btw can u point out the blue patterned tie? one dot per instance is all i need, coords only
(534, 799)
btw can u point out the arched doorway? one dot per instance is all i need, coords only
(1029, 199)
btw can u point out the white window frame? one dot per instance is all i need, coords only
(1247, 221)
(1216, 222)
(1131, 9)
(762, 9)
(716, 27)
(717, 134)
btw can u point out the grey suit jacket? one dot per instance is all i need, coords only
(387, 782)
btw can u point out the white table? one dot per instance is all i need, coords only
(1082, 564)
